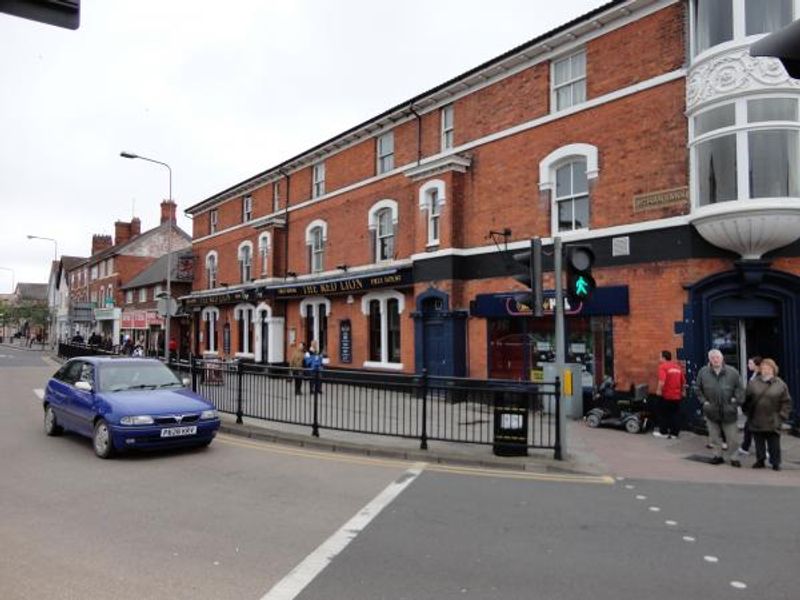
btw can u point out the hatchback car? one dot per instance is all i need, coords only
(126, 404)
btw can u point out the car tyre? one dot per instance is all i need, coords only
(633, 426)
(101, 440)
(593, 420)
(51, 426)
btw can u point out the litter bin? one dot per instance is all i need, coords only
(511, 422)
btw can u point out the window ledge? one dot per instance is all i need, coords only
(245, 355)
(383, 365)
(210, 353)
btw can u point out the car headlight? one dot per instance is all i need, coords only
(208, 414)
(137, 420)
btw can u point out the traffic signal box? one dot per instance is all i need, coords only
(531, 277)
(580, 283)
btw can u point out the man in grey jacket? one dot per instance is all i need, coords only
(719, 388)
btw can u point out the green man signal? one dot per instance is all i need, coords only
(580, 283)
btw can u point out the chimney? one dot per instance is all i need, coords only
(136, 227)
(167, 211)
(122, 232)
(100, 243)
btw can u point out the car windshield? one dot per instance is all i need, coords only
(139, 376)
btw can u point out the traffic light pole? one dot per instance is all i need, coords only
(559, 334)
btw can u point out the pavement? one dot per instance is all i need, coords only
(602, 451)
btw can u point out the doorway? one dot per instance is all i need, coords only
(741, 338)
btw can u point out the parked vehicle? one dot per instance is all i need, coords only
(124, 404)
(615, 409)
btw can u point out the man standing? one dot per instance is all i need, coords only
(671, 381)
(719, 389)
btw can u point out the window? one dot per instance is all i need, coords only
(276, 197)
(318, 180)
(263, 252)
(110, 266)
(210, 316)
(434, 213)
(244, 316)
(572, 196)
(142, 294)
(129, 297)
(213, 219)
(569, 80)
(316, 235)
(94, 272)
(211, 269)
(157, 291)
(315, 312)
(102, 269)
(747, 149)
(383, 311)
(766, 16)
(247, 208)
(713, 23)
(720, 21)
(447, 127)
(382, 224)
(385, 152)
(246, 261)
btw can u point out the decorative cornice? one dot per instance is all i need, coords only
(453, 162)
(733, 73)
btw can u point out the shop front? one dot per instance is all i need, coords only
(109, 322)
(145, 328)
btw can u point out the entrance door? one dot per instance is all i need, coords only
(264, 338)
(740, 338)
(435, 350)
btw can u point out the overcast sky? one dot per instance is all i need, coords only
(220, 91)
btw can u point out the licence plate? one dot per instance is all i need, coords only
(178, 431)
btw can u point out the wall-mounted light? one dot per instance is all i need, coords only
(342, 267)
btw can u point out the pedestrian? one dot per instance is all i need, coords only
(719, 388)
(767, 404)
(296, 361)
(753, 365)
(671, 383)
(313, 362)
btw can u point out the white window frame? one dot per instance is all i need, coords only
(276, 197)
(317, 224)
(264, 246)
(383, 298)
(157, 289)
(384, 151)
(212, 274)
(374, 226)
(142, 295)
(211, 313)
(249, 329)
(447, 130)
(571, 83)
(128, 296)
(425, 196)
(318, 179)
(248, 276)
(556, 159)
(317, 303)
(571, 198)
(247, 208)
(213, 221)
(110, 266)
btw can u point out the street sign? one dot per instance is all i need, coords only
(161, 306)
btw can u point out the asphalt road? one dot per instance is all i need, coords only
(245, 519)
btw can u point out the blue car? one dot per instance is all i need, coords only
(126, 404)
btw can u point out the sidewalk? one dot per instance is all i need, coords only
(24, 346)
(589, 451)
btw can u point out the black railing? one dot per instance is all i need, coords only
(410, 406)
(71, 350)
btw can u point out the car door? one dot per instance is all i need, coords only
(58, 392)
(82, 403)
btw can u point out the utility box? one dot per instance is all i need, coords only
(571, 400)
(511, 422)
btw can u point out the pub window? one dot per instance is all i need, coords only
(315, 312)
(316, 236)
(383, 310)
(210, 317)
(244, 316)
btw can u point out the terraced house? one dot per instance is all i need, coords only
(643, 128)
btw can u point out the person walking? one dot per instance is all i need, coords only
(753, 365)
(719, 388)
(313, 362)
(296, 361)
(767, 404)
(671, 382)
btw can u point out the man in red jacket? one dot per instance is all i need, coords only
(671, 382)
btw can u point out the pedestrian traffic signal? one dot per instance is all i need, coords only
(531, 277)
(580, 283)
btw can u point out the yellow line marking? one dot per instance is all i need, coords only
(265, 446)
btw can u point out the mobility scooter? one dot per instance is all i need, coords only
(617, 409)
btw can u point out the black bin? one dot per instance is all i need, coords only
(511, 423)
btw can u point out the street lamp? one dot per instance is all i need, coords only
(55, 243)
(168, 311)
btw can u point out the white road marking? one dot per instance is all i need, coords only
(620, 479)
(640, 497)
(39, 393)
(295, 582)
(629, 486)
(739, 585)
(711, 559)
(654, 509)
(671, 523)
(688, 538)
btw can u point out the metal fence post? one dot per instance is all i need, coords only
(423, 391)
(557, 454)
(193, 372)
(239, 369)
(316, 383)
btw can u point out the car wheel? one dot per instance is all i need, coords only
(51, 426)
(593, 420)
(101, 440)
(633, 426)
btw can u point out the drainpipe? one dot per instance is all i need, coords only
(286, 226)
(419, 132)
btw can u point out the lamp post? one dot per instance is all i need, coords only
(168, 311)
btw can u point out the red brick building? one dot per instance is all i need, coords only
(390, 244)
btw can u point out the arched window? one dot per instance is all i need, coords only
(315, 312)
(246, 261)
(245, 316)
(565, 173)
(383, 230)
(431, 200)
(263, 252)
(211, 269)
(383, 310)
(316, 236)
(210, 316)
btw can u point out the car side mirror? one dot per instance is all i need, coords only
(186, 382)
(83, 386)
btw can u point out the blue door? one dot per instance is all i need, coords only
(435, 346)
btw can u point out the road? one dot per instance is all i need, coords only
(244, 519)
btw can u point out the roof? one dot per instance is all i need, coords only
(70, 262)
(409, 104)
(32, 291)
(157, 272)
(119, 247)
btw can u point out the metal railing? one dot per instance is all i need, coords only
(418, 406)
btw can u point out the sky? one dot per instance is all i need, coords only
(219, 91)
